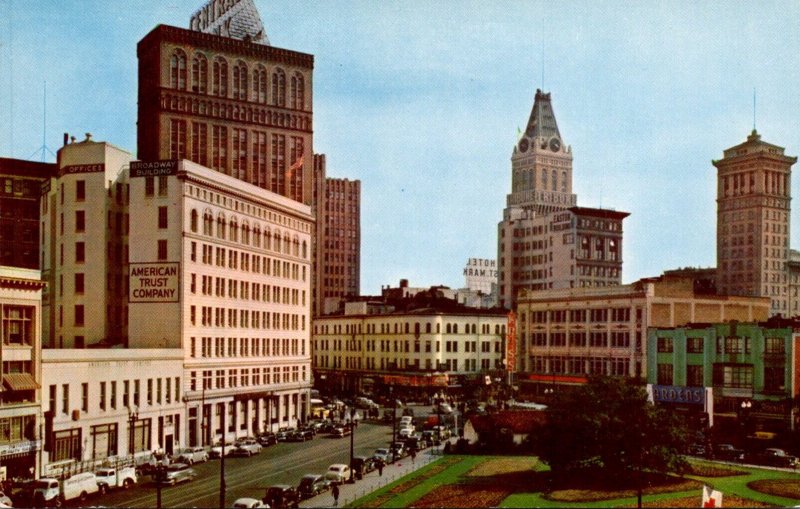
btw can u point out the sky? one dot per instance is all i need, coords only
(422, 100)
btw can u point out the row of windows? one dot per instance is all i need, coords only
(245, 377)
(339, 362)
(230, 230)
(246, 319)
(210, 285)
(405, 328)
(581, 315)
(399, 346)
(614, 366)
(221, 257)
(247, 347)
(615, 339)
(237, 82)
(158, 391)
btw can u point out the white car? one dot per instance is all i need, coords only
(192, 455)
(245, 447)
(405, 432)
(406, 420)
(248, 503)
(216, 450)
(382, 454)
(337, 473)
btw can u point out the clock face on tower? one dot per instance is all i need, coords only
(523, 145)
(555, 144)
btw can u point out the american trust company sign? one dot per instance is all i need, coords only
(154, 282)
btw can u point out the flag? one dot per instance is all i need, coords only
(711, 497)
(519, 133)
(294, 167)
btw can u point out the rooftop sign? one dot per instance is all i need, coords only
(230, 18)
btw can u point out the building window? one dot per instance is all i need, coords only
(694, 345)
(85, 397)
(80, 190)
(665, 374)
(79, 283)
(18, 325)
(162, 217)
(149, 186)
(102, 395)
(80, 221)
(177, 67)
(67, 445)
(80, 252)
(219, 77)
(219, 148)
(200, 143)
(733, 376)
(177, 139)
(694, 376)
(162, 249)
(162, 185)
(664, 345)
(104, 441)
(65, 399)
(199, 74)
(79, 318)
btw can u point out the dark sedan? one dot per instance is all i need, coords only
(312, 485)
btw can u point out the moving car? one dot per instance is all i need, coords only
(192, 455)
(312, 485)
(776, 458)
(179, 472)
(728, 452)
(248, 503)
(337, 473)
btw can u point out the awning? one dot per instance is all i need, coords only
(20, 382)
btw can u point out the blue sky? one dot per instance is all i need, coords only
(421, 101)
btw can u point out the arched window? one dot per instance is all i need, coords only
(234, 230)
(277, 244)
(279, 87)
(221, 227)
(245, 233)
(296, 246)
(553, 183)
(240, 80)
(305, 249)
(447, 329)
(200, 74)
(563, 182)
(257, 236)
(219, 78)
(177, 70)
(193, 222)
(544, 180)
(297, 91)
(267, 239)
(208, 223)
(260, 84)
(286, 244)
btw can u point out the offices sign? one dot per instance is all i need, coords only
(154, 282)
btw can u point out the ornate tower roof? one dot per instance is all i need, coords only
(542, 122)
(230, 18)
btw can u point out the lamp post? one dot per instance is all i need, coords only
(160, 474)
(133, 416)
(352, 441)
(746, 405)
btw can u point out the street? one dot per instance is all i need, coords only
(283, 463)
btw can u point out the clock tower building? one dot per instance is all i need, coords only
(545, 240)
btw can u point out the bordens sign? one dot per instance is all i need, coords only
(154, 282)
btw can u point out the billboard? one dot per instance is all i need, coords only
(154, 282)
(511, 342)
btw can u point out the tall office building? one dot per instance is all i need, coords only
(337, 250)
(20, 188)
(544, 240)
(219, 95)
(753, 216)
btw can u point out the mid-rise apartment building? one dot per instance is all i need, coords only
(565, 335)
(20, 371)
(20, 187)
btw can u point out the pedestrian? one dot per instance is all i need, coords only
(380, 468)
(413, 455)
(335, 492)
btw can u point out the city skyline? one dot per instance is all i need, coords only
(422, 103)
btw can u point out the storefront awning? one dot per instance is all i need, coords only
(20, 382)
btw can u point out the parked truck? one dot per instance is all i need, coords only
(111, 478)
(50, 492)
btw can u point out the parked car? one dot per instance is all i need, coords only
(312, 485)
(179, 472)
(431, 437)
(301, 435)
(47, 491)
(246, 447)
(337, 473)
(383, 454)
(406, 420)
(341, 431)
(776, 458)
(728, 452)
(399, 449)
(283, 434)
(248, 503)
(406, 432)
(696, 449)
(192, 455)
(362, 465)
(267, 439)
(111, 478)
(282, 495)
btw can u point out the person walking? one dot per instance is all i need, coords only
(413, 455)
(335, 493)
(380, 468)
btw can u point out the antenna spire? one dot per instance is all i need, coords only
(44, 149)
(542, 61)
(754, 108)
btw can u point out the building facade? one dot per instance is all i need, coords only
(337, 252)
(753, 223)
(222, 270)
(565, 335)
(544, 240)
(21, 372)
(219, 95)
(742, 362)
(20, 187)
(417, 353)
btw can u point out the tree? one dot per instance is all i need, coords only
(609, 424)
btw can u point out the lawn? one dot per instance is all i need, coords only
(523, 481)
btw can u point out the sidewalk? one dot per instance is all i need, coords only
(372, 481)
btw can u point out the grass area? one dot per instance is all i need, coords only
(523, 481)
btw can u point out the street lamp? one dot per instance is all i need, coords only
(352, 441)
(160, 474)
(133, 416)
(746, 405)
